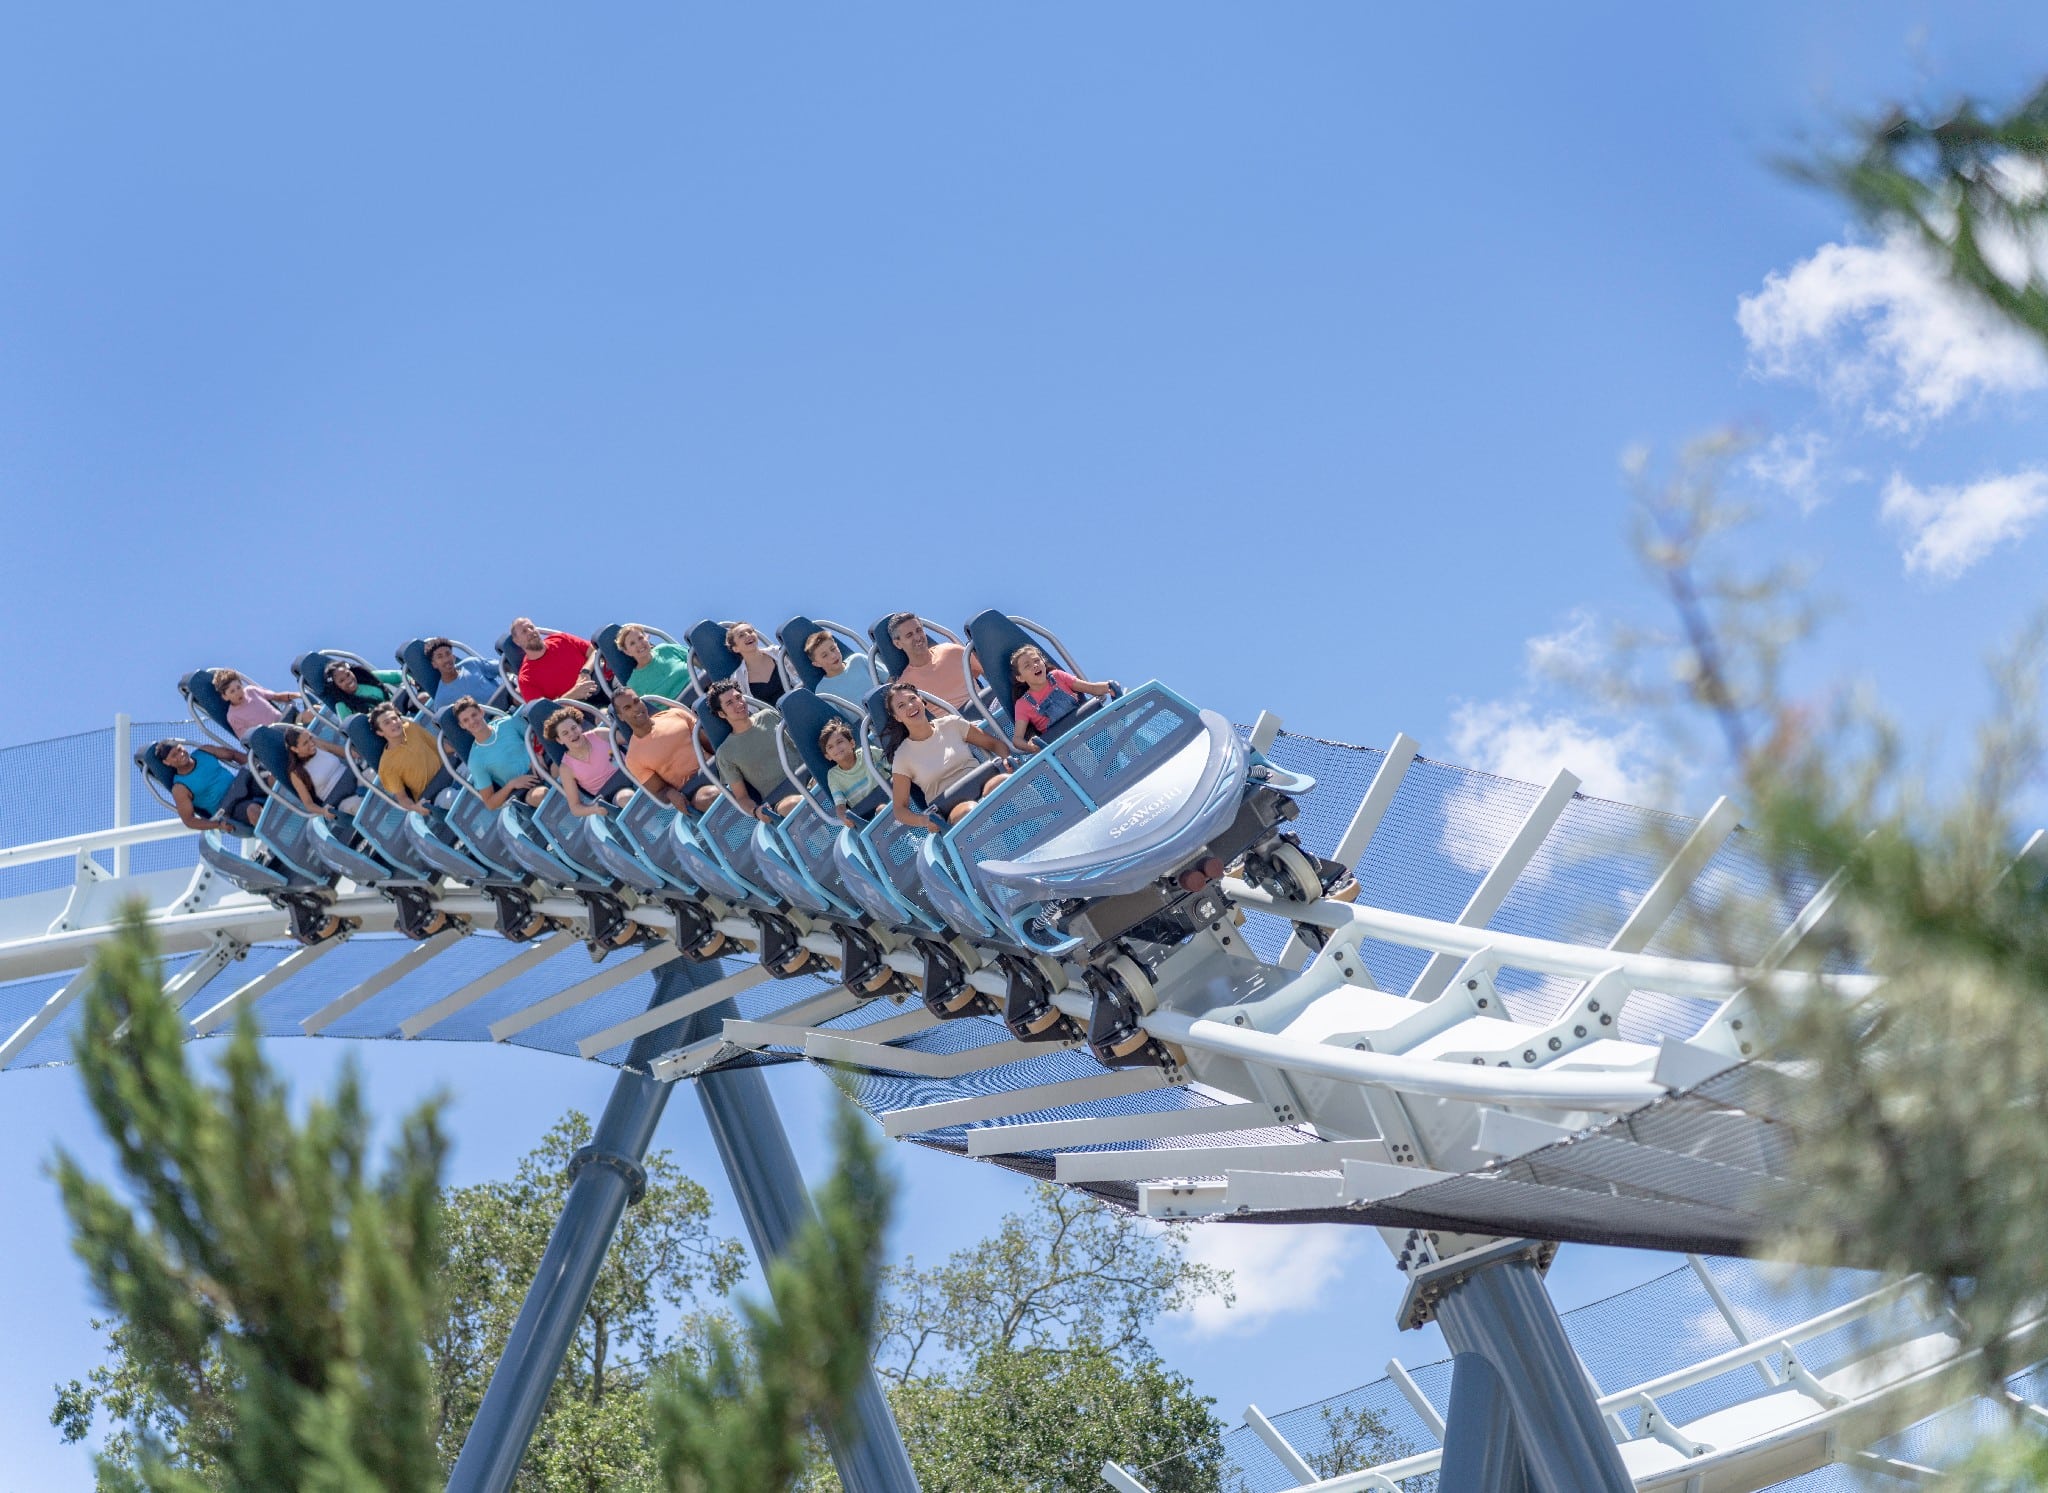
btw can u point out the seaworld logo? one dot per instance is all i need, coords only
(1133, 814)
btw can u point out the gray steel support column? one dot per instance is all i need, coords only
(605, 1178)
(1495, 1306)
(1482, 1453)
(763, 1171)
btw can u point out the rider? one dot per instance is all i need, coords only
(498, 765)
(591, 776)
(847, 779)
(760, 670)
(748, 759)
(933, 755)
(359, 693)
(205, 792)
(456, 677)
(318, 769)
(1045, 695)
(933, 668)
(249, 704)
(556, 666)
(411, 769)
(662, 752)
(661, 669)
(846, 678)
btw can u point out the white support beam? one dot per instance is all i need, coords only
(1056, 1135)
(1728, 1314)
(908, 1024)
(69, 847)
(938, 1116)
(1295, 1463)
(1663, 897)
(1118, 1478)
(1159, 1162)
(606, 978)
(528, 959)
(379, 982)
(296, 962)
(1494, 887)
(831, 1047)
(1365, 823)
(1368, 1181)
(1261, 1192)
(1417, 1400)
(654, 1018)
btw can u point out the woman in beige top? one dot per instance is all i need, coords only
(935, 756)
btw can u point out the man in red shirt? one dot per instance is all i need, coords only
(556, 666)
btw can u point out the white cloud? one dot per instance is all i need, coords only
(1275, 1271)
(1879, 325)
(1511, 739)
(1792, 464)
(1948, 529)
(1567, 653)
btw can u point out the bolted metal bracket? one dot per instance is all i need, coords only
(634, 1173)
(1437, 1279)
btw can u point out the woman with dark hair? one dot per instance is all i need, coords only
(318, 769)
(591, 775)
(933, 756)
(358, 693)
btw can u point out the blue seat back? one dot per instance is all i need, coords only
(456, 742)
(363, 738)
(804, 715)
(412, 662)
(310, 669)
(199, 692)
(510, 657)
(154, 767)
(536, 717)
(891, 659)
(995, 640)
(270, 752)
(709, 657)
(614, 658)
(791, 636)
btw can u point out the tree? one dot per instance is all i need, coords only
(273, 1293)
(595, 1431)
(1048, 1418)
(647, 1305)
(1355, 1436)
(748, 1417)
(1068, 1269)
(1024, 1360)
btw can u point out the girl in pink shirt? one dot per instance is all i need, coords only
(591, 763)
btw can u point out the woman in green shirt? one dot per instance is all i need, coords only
(660, 669)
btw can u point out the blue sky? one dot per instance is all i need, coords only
(1286, 355)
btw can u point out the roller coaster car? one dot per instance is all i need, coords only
(394, 850)
(282, 871)
(593, 862)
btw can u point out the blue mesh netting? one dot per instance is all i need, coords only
(65, 786)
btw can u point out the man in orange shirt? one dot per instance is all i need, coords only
(934, 669)
(662, 753)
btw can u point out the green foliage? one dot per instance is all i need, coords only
(1971, 185)
(595, 1432)
(745, 1419)
(272, 1292)
(1067, 1269)
(1048, 1418)
(1024, 1361)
